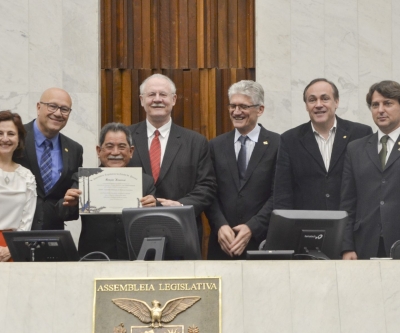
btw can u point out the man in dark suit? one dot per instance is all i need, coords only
(239, 216)
(105, 233)
(52, 157)
(311, 156)
(177, 158)
(371, 179)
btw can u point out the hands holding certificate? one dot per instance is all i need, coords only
(71, 199)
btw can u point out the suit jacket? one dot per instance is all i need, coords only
(105, 233)
(371, 197)
(49, 214)
(249, 203)
(301, 180)
(186, 173)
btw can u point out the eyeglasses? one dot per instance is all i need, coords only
(242, 107)
(161, 94)
(110, 147)
(54, 107)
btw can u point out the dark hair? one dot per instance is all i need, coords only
(16, 119)
(388, 89)
(115, 127)
(334, 88)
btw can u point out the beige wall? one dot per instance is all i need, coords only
(353, 43)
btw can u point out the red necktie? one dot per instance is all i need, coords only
(155, 155)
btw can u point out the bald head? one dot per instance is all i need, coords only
(51, 122)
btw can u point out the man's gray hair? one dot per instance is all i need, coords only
(160, 76)
(115, 127)
(249, 88)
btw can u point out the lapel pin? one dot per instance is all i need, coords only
(266, 142)
(66, 149)
(344, 137)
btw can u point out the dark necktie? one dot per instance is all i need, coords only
(45, 165)
(241, 160)
(383, 152)
(155, 155)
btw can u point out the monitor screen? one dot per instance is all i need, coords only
(307, 232)
(41, 245)
(177, 225)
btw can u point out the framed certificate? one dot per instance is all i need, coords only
(109, 190)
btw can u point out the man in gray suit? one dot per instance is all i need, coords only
(371, 179)
(177, 158)
(239, 216)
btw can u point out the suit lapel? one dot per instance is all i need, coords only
(372, 151)
(142, 147)
(394, 154)
(30, 152)
(230, 156)
(342, 137)
(172, 148)
(309, 142)
(65, 160)
(260, 149)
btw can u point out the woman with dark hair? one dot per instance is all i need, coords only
(17, 184)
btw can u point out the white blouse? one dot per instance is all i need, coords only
(17, 199)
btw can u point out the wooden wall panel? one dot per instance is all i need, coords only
(202, 45)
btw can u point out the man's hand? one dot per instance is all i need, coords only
(148, 201)
(71, 198)
(4, 253)
(166, 202)
(351, 255)
(225, 237)
(241, 240)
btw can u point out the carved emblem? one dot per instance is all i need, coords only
(119, 329)
(156, 314)
(193, 329)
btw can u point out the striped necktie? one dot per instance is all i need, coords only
(45, 165)
(155, 155)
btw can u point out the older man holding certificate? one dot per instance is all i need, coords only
(105, 232)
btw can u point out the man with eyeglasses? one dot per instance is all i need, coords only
(105, 233)
(311, 156)
(244, 163)
(52, 157)
(177, 158)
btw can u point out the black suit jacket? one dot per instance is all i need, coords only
(371, 197)
(301, 180)
(250, 203)
(49, 214)
(186, 173)
(105, 233)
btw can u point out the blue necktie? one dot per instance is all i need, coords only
(241, 160)
(45, 165)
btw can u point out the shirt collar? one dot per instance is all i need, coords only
(164, 129)
(40, 138)
(393, 135)
(252, 135)
(330, 131)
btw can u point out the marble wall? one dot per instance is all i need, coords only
(350, 42)
(52, 43)
(263, 296)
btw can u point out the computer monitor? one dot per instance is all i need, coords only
(41, 245)
(150, 227)
(310, 233)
